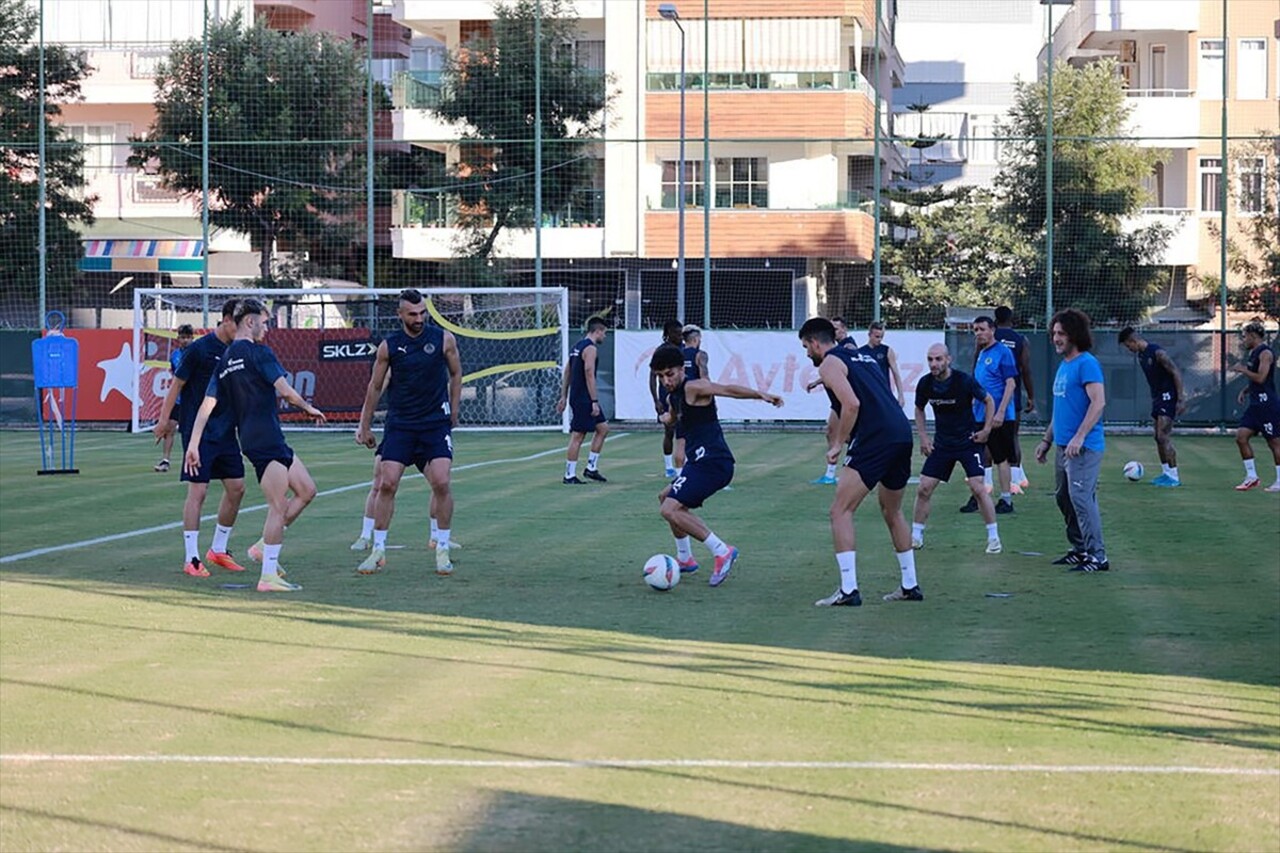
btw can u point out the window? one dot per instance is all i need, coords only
(1209, 71)
(694, 191)
(1210, 185)
(742, 182)
(983, 146)
(1250, 172)
(1251, 69)
(589, 54)
(100, 152)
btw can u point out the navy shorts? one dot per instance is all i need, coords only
(582, 420)
(260, 459)
(885, 464)
(1164, 408)
(700, 480)
(1262, 421)
(417, 447)
(217, 462)
(942, 461)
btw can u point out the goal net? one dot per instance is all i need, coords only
(513, 344)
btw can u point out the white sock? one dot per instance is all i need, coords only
(435, 528)
(1250, 469)
(380, 539)
(593, 459)
(831, 472)
(1006, 496)
(571, 469)
(442, 538)
(907, 560)
(986, 477)
(1017, 474)
(1173, 472)
(190, 539)
(718, 548)
(917, 530)
(993, 531)
(366, 527)
(271, 560)
(667, 461)
(679, 470)
(220, 536)
(1164, 468)
(684, 549)
(848, 563)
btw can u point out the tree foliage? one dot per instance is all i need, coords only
(66, 202)
(1253, 251)
(286, 126)
(489, 89)
(1098, 266)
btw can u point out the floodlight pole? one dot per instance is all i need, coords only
(668, 11)
(204, 168)
(42, 248)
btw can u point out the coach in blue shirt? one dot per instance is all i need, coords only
(1076, 431)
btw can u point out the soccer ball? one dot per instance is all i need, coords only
(1133, 471)
(661, 572)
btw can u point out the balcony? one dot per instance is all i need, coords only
(415, 94)
(1091, 24)
(1184, 241)
(836, 232)
(1172, 111)
(420, 14)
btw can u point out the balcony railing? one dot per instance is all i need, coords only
(740, 81)
(1159, 93)
(437, 210)
(416, 90)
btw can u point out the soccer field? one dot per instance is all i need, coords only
(544, 698)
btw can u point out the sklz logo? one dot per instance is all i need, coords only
(348, 350)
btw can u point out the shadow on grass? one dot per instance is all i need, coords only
(142, 836)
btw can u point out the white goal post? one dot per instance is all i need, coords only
(513, 343)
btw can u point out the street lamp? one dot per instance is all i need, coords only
(669, 13)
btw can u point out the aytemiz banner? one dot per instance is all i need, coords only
(765, 360)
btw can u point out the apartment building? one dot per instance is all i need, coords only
(1173, 56)
(791, 92)
(143, 230)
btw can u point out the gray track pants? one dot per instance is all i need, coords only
(1077, 495)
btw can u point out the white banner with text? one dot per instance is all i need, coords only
(772, 361)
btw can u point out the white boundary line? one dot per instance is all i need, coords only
(85, 543)
(634, 764)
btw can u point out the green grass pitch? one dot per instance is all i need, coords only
(544, 698)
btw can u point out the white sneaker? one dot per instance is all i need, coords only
(361, 544)
(444, 566)
(1274, 487)
(994, 546)
(917, 542)
(373, 563)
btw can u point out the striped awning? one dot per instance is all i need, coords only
(143, 256)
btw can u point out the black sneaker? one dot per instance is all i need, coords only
(1090, 564)
(900, 594)
(840, 598)
(1071, 558)
(573, 481)
(1004, 507)
(594, 475)
(971, 506)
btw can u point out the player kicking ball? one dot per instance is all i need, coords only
(708, 464)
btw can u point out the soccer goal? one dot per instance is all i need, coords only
(513, 343)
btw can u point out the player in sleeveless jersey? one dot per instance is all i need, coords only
(219, 451)
(952, 394)
(183, 340)
(671, 334)
(248, 378)
(885, 357)
(1262, 417)
(579, 394)
(1167, 399)
(696, 366)
(878, 452)
(847, 341)
(423, 394)
(709, 467)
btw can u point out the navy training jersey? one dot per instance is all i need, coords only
(195, 368)
(245, 382)
(848, 343)
(703, 436)
(880, 418)
(1263, 394)
(952, 400)
(418, 394)
(880, 353)
(1016, 344)
(578, 391)
(691, 362)
(1158, 378)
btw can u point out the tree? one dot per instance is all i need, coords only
(488, 88)
(1098, 266)
(66, 202)
(1253, 252)
(286, 127)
